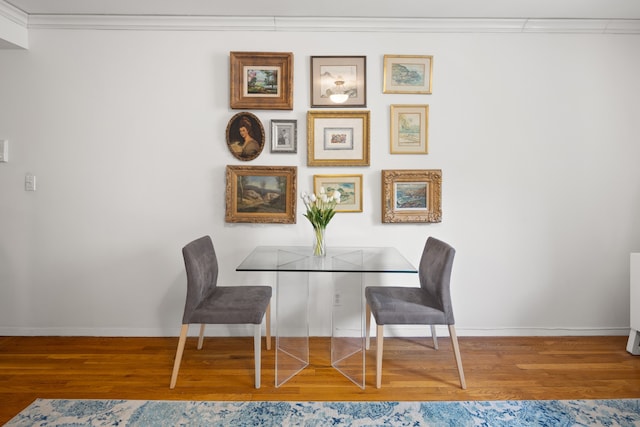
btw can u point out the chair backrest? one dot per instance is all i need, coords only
(435, 274)
(201, 264)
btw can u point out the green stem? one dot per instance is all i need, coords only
(318, 248)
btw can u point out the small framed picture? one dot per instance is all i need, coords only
(412, 195)
(261, 194)
(338, 138)
(350, 187)
(261, 80)
(409, 129)
(245, 136)
(407, 74)
(284, 136)
(338, 81)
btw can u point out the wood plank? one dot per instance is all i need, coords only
(496, 368)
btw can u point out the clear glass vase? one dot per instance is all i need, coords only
(319, 245)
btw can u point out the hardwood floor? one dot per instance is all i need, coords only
(496, 368)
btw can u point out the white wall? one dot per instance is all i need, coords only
(536, 134)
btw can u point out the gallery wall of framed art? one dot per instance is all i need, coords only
(337, 134)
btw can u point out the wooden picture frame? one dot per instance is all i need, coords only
(338, 138)
(331, 74)
(261, 80)
(245, 136)
(261, 194)
(284, 136)
(409, 129)
(411, 195)
(407, 74)
(350, 187)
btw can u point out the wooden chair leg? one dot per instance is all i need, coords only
(201, 337)
(367, 331)
(456, 352)
(379, 339)
(268, 326)
(257, 345)
(434, 336)
(179, 351)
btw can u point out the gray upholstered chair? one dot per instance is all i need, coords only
(208, 303)
(430, 304)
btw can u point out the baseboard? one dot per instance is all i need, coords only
(242, 330)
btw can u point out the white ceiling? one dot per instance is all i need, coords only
(547, 9)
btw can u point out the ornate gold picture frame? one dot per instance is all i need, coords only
(412, 195)
(261, 80)
(338, 138)
(261, 194)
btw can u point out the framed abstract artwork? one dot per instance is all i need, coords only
(412, 195)
(338, 138)
(407, 74)
(261, 194)
(409, 129)
(350, 187)
(261, 80)
(338, 81)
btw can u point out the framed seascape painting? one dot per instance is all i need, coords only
(261, 80)
(261, 194)
(409, 129)
(338, 138)
(339, 81)
(245, 136)
(350, 187)
(412, 195)
(407, 74)
(284, 136)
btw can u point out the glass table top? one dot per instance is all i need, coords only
(338, 259)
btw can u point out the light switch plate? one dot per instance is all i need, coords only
(4, 150)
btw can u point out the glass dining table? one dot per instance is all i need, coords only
(348, 267)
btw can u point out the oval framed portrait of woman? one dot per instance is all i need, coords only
(245, 136)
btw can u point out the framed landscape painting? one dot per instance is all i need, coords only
(407, 74)
(412, 195)
(350, 187)
(409, 129)
(261, 194)
(261, 80)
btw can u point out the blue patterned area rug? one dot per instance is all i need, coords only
(60, 412)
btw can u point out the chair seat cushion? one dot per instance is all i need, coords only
(233, 305)
(392, 305)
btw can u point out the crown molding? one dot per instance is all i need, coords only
(279, 23)
(13, 14)
(150, 23)
(13, 28)
(592, 26)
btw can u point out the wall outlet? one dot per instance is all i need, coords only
(4, 150)
(29, 182)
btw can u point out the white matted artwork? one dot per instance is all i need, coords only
(338, 138)
(284, 136)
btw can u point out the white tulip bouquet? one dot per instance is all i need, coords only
(320, 210)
